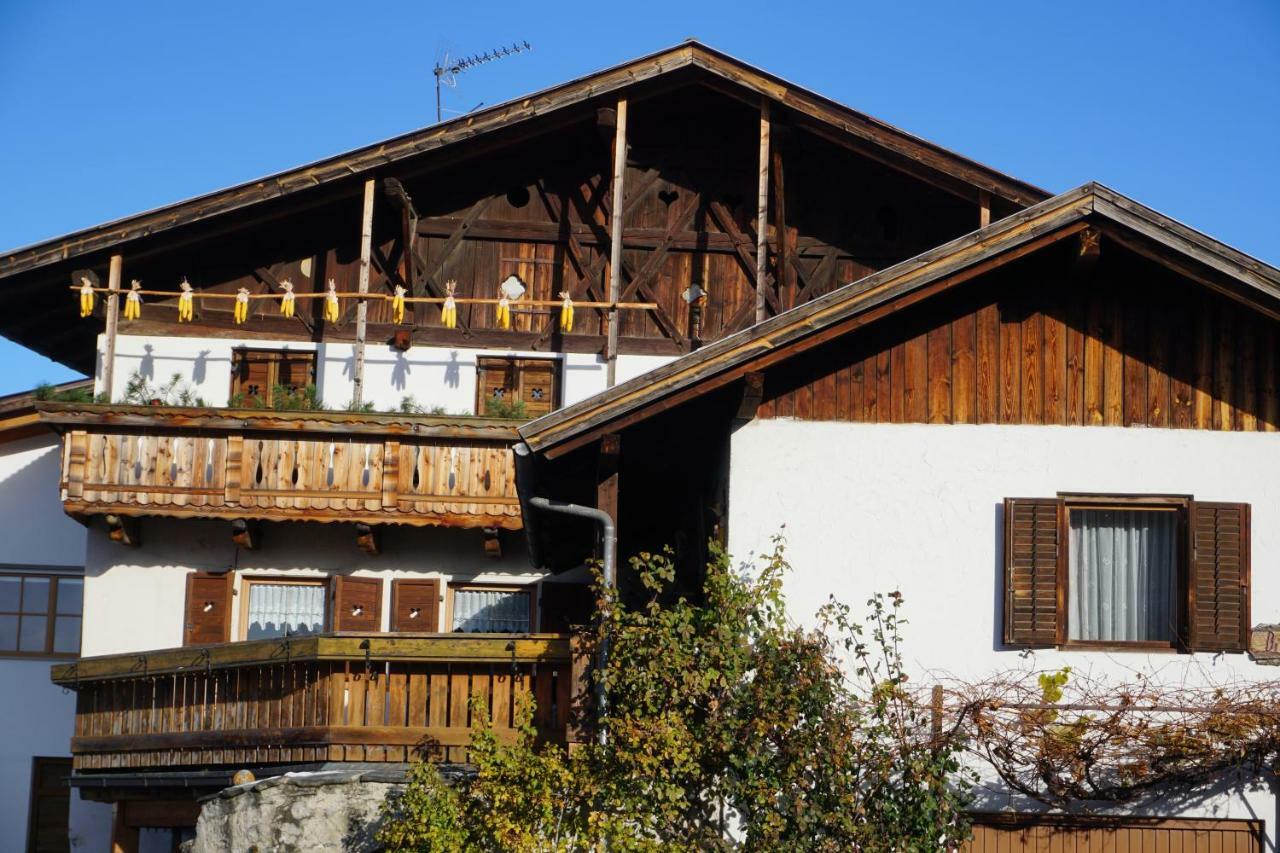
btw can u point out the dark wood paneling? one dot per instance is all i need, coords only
(1125, 343)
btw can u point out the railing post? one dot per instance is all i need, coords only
(78, 450)
(231, 480)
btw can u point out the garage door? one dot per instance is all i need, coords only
(1014, 833)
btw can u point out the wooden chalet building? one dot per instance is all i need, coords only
(273, 584)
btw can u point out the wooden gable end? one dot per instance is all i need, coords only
(1049, 339)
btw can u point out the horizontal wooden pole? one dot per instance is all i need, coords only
(387, 297)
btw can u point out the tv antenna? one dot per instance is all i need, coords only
(447, 71)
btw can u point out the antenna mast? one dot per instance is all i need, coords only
(446, 72)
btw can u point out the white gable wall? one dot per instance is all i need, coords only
(917, 508)
(433, 376)
(36, 716)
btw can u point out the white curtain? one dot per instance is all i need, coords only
(277, 609)
(490, 611)
(1122, 572)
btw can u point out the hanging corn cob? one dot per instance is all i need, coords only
(449, 311)
(331, 304)
(186, 304)
(286, 299)
(133, 301)
(566, 312)
(397, 305)
(86, 296)
(504, 313)
(242, 305)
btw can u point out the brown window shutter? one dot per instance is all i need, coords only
(1218, 583)
(415, 605)
(538, 386)
(208, 609)
(357, 604)
(1032, 538)
(566, 606)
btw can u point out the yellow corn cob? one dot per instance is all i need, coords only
(504, 313)
(286, 300)
(566, 312)
(449, 311)
(186, 310)
(331, 304)
(86, 297)
(397, 305)
(242, 305)
(133, 301)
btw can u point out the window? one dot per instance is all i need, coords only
(491, 610)
(280, 608)
(40, 614)
(259, 375)
(517, 387)
(1124, 571)
(1122, 574)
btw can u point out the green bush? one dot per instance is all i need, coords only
(728, 728)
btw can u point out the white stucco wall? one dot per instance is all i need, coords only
(136, 596)
(434, 376)
(873, 508)
(36, 716)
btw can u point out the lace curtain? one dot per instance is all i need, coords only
(490, 611)
(277, 609)
(1122, 573)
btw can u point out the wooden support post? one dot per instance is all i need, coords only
(246, 534)
(369, 539)
(984, 208)
(113, 320)
(752, 393)
(786, 276)
(492, 543)
(615, 236)
(124, 530)
(124, 838)
(362, 307)
(607, 474)
(762, 215)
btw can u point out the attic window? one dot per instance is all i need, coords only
(517, 196)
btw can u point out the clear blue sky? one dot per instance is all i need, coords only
(108, 109)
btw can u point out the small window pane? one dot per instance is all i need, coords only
(279, 609)
(66, 635)
(490, 611)
(31, 636)
(8, 633)
(70, 596)
(10, 594)
(1122, 575)
(35, 595)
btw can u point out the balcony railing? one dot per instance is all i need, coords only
(315, 698)
(286, 466)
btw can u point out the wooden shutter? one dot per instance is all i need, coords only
(1218, 582)
(415, 605)
(497, 381)
(538, 386)
(357, 604)
(566, 606)
(208, 609)
(1031, 550)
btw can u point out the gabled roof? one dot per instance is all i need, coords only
(871, 136)
(1122, 219)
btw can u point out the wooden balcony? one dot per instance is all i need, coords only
(286, 466)
(314, 698)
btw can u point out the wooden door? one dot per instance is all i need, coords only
(1014, 833)
(50, 806)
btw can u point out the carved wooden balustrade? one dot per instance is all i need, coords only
(314, 698)
(281, 466)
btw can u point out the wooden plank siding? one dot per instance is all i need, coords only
(1016, 833)
(1040, 342)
